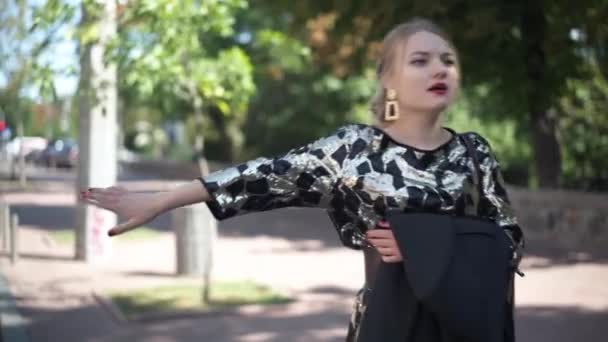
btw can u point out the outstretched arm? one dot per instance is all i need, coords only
(304, 176)
(139, 208)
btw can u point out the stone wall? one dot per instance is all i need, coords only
(570, 219)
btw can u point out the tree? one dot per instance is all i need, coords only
(182, 52)
(27, 31)
(516, 56)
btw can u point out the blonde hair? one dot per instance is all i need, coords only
(393, 43)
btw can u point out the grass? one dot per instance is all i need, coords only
(67, 236)
(187, 298)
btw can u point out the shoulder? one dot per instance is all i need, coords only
(483, 149)
(350, 133)
(355, 130)
(480, 143)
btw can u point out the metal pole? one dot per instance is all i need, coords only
(6, 222)
(22, 170)
(14, 238)
(2, 227)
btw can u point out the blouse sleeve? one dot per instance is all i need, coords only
(495, 204)
(304, 177)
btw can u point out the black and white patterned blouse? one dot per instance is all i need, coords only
(359, 172)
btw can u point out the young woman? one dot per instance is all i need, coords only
(407, 160)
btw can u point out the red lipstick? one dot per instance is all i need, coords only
(439, 88)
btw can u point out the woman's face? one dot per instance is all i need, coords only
(425, 75)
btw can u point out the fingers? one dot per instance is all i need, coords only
(103, 198)
(380, 233)
(383, 240)
(386, 251)
(381, 237)
(390, 254)
(392, 259)
(113, 190)
(117, 190)
(91, 201)
(384, 224)
(382, 243)
(124, 227)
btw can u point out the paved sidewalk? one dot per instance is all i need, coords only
(562, 298)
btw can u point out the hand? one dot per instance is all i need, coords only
(136, 208)
(384, 242)
(516, 256)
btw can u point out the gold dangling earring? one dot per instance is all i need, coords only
(391, 106)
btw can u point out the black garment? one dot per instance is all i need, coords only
(418, 323)
(463, 296)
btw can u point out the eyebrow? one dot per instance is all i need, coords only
(425, 53)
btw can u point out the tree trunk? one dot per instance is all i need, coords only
(544, 121)
(97, 138)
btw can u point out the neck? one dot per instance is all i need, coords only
(420, 129)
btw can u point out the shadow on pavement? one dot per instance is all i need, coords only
(536, 324)
(294, 224)
(48, 217)
(63, 217)
(78, 323)
(91, 323)
(554, 255)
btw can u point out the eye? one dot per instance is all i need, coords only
(449, 61)
(418, 62)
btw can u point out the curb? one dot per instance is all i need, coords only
(109, 305)
(12, 324)
(118, 316)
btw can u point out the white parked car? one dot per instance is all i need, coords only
(30, 145)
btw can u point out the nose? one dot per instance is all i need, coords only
(440, 70)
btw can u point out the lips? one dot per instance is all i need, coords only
(439, 88)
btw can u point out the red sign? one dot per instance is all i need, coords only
(2, 125)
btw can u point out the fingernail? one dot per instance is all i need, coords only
(111, 233)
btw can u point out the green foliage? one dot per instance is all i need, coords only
(160, 45)
(27, 31)
(508, 143)
(178, 58)
(302, 107)
(584, 128)
(277, 49)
